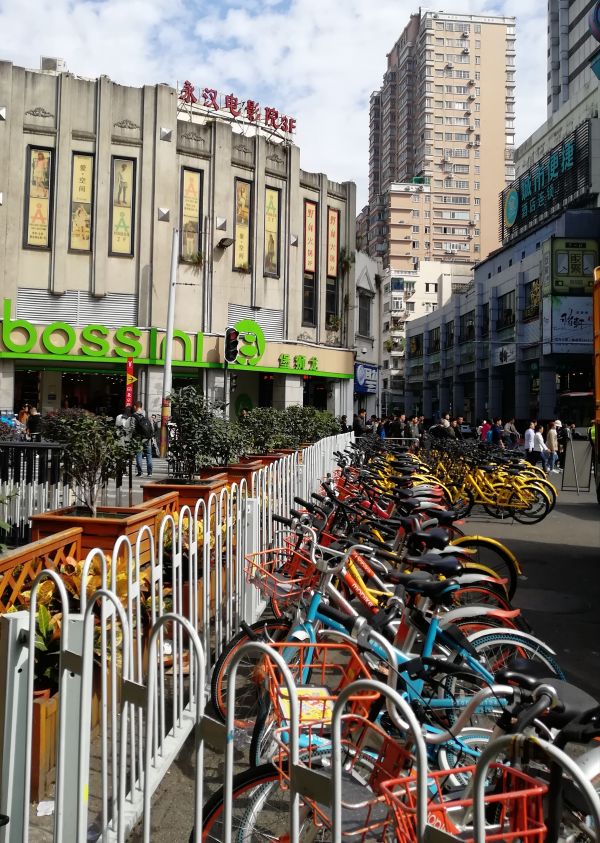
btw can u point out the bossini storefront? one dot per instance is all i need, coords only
(62, 365)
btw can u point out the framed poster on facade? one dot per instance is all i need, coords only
(122, 207)
(82, 198)
(310, 236)
(243, 219)
(272, 210)
(190, 214)
(333, 241)
(39, 198)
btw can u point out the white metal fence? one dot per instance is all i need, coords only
(142, 646)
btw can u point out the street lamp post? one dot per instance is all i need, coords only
(165, 413)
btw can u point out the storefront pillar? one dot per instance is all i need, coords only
(427, 400)
(494, 397)
(50, 391)
(480, 404)
(7, 386)
(458, 398)
(288, 391)
(522, 392)
(154, 386)
(215, 385)
(547, 396)
(444, 398)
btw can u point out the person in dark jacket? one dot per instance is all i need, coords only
(359, 423)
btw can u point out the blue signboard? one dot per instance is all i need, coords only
(365, 378)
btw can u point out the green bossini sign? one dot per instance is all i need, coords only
(60, 341)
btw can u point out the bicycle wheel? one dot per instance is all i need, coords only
(482, 594)
(246, 692)
(530, 505)
(494, 556)
(260, 811)
(496, 649)
(462, 501)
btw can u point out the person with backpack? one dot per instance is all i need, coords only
(143, 430)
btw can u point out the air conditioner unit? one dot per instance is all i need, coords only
(471, 81)
(54, 65)
(469, 145)
(468, 113)
(449, 65)
(465, 34)
(470, 128)
(471, 222)
(471, 97)
(465, 50)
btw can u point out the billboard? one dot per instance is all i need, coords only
(365, 378)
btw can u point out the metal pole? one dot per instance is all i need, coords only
(165, 413)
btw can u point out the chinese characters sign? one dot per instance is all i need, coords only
(38, 208)
(573, 266)
(123, 187)
(191, 209)
(231, 107)
(271, 231)
(299, 363)
(333, 236)
(82, 189)
(310, 236)
(548, 186)
(571, 323)
(243, 196)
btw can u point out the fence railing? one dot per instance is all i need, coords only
(133, 652)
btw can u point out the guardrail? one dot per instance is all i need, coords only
(190, 593)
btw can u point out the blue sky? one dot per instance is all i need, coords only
(316, 60)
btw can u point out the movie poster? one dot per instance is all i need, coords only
(123, 188)
(82, 190)
(310, 236)
(271, 231)
(38, 209)
(333, 245)
(191, 208)
(243, 199)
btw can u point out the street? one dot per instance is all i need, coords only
(560, 599)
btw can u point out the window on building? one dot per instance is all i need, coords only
(331, 300)
(431, 287)
(309, 300)
(506, 311)
(467, 327)
(485, 319)
(450, 333)
(434, 340)
(386, 326)
(415, 229)
(532, 300)
(415, 214)
(364, 314)
(410, 307)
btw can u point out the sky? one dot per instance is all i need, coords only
(315, 60)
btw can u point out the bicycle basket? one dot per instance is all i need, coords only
(513, 806)
(279, 574)
(368, 756)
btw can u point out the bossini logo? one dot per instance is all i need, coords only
(251, 342)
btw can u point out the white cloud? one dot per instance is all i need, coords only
(317, 60)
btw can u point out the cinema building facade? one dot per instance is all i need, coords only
(96, 178)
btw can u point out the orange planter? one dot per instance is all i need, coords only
(189, 493)
(243, 471)
(102, 531)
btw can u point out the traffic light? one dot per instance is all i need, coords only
(231, 345)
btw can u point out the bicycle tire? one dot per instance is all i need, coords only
(493, 556)
(537, 510)
(462, 501)
(497, 648)
(482, 594)
(274, 629)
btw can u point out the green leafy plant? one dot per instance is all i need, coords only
(94, 453)
(266, 430)
(345, 261)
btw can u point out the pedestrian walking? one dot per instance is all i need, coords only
(529, 442)
(143, 429)
(512, 434)
(540, 449)
(359, 425)
(498, 433)
(563, 437)
(552, 445)
(34, 425)
(485, 427)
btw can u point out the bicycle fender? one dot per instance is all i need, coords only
(475, 636)
(468, 579)
(477, 612)
(491, 543)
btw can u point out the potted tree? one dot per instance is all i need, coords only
(94, 453)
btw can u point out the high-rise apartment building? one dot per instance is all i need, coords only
(570, 47)
(443, 120)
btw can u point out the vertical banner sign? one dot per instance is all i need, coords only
(81, 203)
(310, 236)
(129, 382)
(243, 198)
(333, 241)
(38, 209)
(191, 205)
(271, 231)
(121, 241)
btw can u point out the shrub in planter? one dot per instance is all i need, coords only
(266, 429)
(307, 424)
(95, 452)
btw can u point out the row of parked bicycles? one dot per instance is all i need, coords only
(374, 585)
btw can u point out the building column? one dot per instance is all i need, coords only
(458, 398)
(480, 403)
(522, 391)
(427, 400)
(7, 386)
(494, 396)
(444, 398)
(215, 385)
(154, 387)
(288, 391)
(547, 394)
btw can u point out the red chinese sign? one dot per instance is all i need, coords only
(129, 382)
(249, 110)
(310, 236)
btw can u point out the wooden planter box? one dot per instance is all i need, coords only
(189, 492)
(44, 739)
(266, 459)
(102, 531)
(167, 504)
(243, 471)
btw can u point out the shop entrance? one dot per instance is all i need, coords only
(50, 389)
(315, 392)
